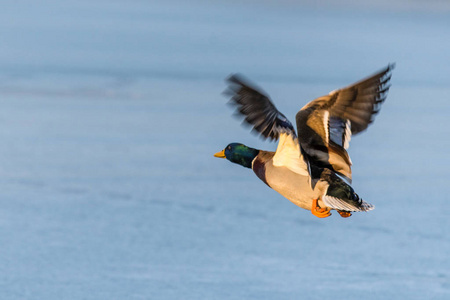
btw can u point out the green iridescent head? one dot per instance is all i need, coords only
(238, 154)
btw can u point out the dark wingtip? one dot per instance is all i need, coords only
(387, 71)
(236, 79)
(235, 82)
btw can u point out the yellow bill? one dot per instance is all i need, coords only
(220, 154)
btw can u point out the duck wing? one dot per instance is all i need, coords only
(259, 112)
(326, 124)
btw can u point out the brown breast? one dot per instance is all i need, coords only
(259, 164)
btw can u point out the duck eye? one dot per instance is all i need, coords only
(229, 147)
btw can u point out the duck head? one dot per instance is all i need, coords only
(238, 154)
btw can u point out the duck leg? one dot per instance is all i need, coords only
(344, 214)
(318, 211)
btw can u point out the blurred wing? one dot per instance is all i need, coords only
(257, 108)
(265, 118)
(325, 125)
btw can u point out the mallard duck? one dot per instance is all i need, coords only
(313, 169)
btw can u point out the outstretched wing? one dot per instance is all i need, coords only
(265, 118)
(257, 108)
(325, 125)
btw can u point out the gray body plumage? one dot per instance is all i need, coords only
(295, 187)
(330, 190)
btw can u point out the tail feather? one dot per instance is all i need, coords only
(340, 204)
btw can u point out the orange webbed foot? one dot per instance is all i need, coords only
(344, 214)
(318, 211)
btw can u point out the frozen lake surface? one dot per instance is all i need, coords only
(111, 112)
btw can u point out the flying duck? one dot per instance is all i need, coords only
(311, 169)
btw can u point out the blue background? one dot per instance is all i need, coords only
(110, 112)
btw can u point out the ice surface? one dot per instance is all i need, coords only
(110, 112)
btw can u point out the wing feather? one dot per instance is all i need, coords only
(257, 108)
(259, 112)
(325, 125)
